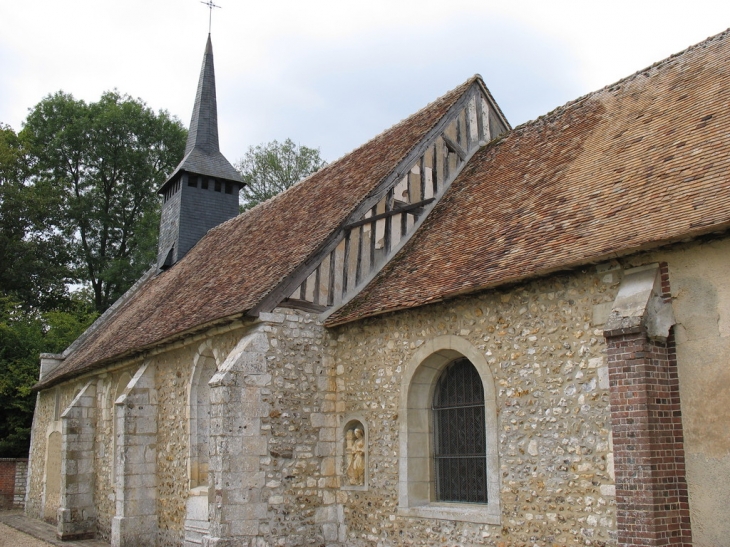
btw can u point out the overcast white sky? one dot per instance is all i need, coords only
(332, 74)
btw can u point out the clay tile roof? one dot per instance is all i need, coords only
(239, 262)
(635, 165)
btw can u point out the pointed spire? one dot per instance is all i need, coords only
(204, 122)
(202, 153)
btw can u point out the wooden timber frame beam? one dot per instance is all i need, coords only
(412, 208)
(299, 275)
(454, 147)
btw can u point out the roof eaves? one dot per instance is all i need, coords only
(720, 229)
(187, 337)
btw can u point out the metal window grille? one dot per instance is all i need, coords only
(460, 448)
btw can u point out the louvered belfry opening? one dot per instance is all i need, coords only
(460, 446)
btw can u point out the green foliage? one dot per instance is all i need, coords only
(102, 163)
(33, 266)
(24, 335)
(271, 168)
(77, 206)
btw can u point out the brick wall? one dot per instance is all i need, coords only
(651, 488)
(13, 474)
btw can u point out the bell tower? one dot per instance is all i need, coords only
(202, 192)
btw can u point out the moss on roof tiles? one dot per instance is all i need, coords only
(635, 165)
(239, 262)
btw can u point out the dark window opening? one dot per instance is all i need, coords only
(205, 184)
(229, 188)
(460, 447)
(192, 181)
(217, 186)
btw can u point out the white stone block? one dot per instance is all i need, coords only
(243, 527)
(603, 380)
(327, 513)
(272, 317)
(259, 380)
(329, 530)
(608, 490)
(257, 446)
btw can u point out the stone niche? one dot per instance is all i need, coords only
(354, 454)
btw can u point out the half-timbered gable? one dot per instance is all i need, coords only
(395, 208)
(458, 333)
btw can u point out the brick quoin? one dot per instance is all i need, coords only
(651, 487)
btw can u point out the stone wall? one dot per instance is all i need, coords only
(298, 386)
(46, 420)
(13, 476)
(21, 481)
(173, 373)
(701, 302)
(300, 467)
(273, 432)
(104, 499)
(173, 370)
(77, 511)
(547, 355)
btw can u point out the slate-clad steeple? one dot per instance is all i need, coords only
(202, 192)
(204, 123)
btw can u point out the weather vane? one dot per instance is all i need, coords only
(210, 5)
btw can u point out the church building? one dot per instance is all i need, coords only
(459, 334)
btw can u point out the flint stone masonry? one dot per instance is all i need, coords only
(46, 422)
(553, 425)
(286, 388)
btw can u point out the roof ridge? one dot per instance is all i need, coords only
(588, 182)
(559, 110)
(332, 164)
(469, 81)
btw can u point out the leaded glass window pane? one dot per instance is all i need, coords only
(460, 446)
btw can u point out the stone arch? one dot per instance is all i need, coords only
(416, 488)
(52, 477)
(199, 408)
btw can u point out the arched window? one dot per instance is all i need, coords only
(448, 434)
(199, 422)
(459, 443)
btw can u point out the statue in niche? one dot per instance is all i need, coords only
(355, 458)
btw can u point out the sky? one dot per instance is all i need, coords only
(333, 74)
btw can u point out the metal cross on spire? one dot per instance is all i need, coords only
(210, 5)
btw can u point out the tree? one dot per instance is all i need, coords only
(103, 161)
(34, 261)
(24, 335)
(271, 168)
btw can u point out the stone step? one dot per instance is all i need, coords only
(194, 532)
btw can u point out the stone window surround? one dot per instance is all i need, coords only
(416, 485)
(204, 360)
